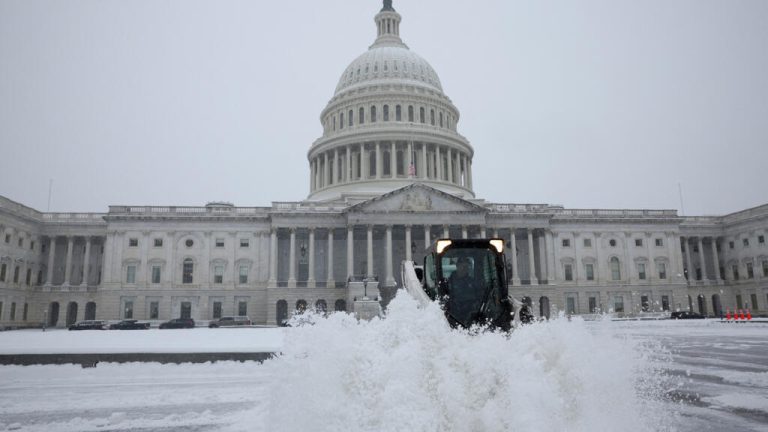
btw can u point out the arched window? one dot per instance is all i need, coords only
(441, 119)
(341, 120)
(386, 113)
(188, 269)
(361, 116)
(301, 306)
(321, 306)
(334, 122)
(350, 116)
(422, 117)
(410, 113)
(398, 113)
(615, 269)
(340, 306)
(432, 117)
(373, 113)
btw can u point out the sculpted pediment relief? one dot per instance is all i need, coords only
(416, 198)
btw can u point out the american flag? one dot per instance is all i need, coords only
(412, 169)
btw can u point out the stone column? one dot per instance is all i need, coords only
(691, 273)
(350, 251)
(170, 265)
(331, 282)
(292, 260)
(550, 246)
(427, 236)
(542, 259)
(598, 271)
(68, 268)
(423, 173)
(336, 166)
(51, 261)
(464, 231)
(716, 260)
(312, 175)
(348, 167)
(364, 171)
(652, 272)
(628, 257)
(531, 259)
(86, 261)
(702, 261)
(390, 279)
(393, 159)
(449, 155)
(410, 159)
(369, 270)
(469, 173)
(439, 164)
(326, 170)
(379, 165)
(675, 254)
(513, 247)
(408, 252)
(272, 258)
(311, 273)
(143, 273)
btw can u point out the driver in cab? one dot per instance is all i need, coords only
(463, 291)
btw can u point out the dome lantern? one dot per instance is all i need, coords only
(388, 27)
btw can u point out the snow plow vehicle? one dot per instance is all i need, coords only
(468, 278)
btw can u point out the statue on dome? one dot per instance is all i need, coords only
(387, 6)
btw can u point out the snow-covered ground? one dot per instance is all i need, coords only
(408, 372)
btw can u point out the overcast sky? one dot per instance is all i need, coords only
(588, 104)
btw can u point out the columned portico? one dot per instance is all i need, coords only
(311, 270)
(86, 261)
(51, 255)
(716, 261)
(531, 260)
(68, 268)
(292, 260)
(513, 249)
(331, 282)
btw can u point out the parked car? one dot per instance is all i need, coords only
(89, 325)
(178, 323)
(686, 315)
(129, 325)
(230, 321)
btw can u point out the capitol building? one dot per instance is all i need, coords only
(390, 174)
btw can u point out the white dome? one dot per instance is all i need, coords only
(388, 64)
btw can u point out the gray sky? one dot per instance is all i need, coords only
(588, 104)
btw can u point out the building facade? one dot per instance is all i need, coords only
(389, 175)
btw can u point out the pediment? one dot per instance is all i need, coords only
(416, 198)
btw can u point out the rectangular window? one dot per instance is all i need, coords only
(158, 242)
(645, 305)
(25, 312)
(216, 310)
(31, 245)
(16, 274)
(568, 272)
(659, 242)
(735, 269)
(242, 308)
(243, 274)
(155, 274)
(662, 268)
(570, 305)
(187, 271)
(28, 279)
(21, 242)
(566, 243)
(134, 242)
(154, 310)
(765, 268)
(739, 303)
(128, 310)
(7, 238)
(750, 271)
(618, 304)
(244, 243)
(754, 305)
(3, 271)
(219, 242)
(730, 245)
(590, 271)
(641, 271)
(130, 274)
(760, 239)
(587, 242)
(186, 310)
(218, 274)
(665, 303)
(745, 242)
(638, 242)
(592, 304)
(13, 311)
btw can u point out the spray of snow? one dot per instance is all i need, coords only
(411, 371)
